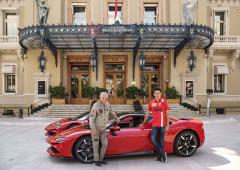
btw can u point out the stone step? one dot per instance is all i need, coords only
(59, 111)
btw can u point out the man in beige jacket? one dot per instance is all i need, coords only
(99, 118)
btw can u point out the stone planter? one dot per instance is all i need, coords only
(58, 101)
(173, 101)
(129, 101)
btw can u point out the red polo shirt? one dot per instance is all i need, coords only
(158, 109)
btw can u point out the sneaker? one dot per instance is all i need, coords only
(103, 162)
(165, 161)
(98, 163)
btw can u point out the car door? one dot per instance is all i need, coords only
(128, 140)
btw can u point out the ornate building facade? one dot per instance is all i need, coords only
(190, 44)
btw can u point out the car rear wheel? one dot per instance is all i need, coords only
(186, 143)
(83, 149)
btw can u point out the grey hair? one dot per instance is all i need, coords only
(103, 94)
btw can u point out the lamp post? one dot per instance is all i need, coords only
(93, 61)
(191, 60)
(42, 61)
(141, 59)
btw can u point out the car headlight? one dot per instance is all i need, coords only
(61, 139)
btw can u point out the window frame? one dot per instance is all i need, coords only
(76, 4)
(111, 4)
(157, 11)
(213, 77)
(226, 17)
(3, 80)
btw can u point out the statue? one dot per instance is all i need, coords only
(189, 11)
(42, 12)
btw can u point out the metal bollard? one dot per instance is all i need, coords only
(20, 113)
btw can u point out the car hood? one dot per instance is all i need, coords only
(72, 131)
(60, 122)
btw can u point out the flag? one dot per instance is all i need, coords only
(116, 9)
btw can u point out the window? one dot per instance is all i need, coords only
(11, 24)
(79, 14)
(111, 14)
(9, 76)
(219, 23)
(220, 72)
(219, 83)
(9, 83)
(150, 14)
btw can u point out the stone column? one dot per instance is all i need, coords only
(209, 58)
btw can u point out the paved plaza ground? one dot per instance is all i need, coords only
(23, 147)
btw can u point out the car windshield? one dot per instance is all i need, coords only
(82, 116)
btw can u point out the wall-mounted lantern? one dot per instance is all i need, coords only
(42, 61)
(141, 59)
(93, 61)
(191, 60)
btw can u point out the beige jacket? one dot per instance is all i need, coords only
(99, 116)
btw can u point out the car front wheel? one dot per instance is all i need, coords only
(83, 149)
(186, 143)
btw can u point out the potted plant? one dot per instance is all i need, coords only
(88, 92)
(172, 95)
(57, 94)
(134, 93)
(97, 91)
(92, 93)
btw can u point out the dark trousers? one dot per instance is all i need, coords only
(158, 140)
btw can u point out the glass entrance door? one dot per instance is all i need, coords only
(115, 82)
(79, 80)
(150, 79)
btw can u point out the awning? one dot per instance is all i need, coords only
(221, 69)
(8, 69)
(117, 37)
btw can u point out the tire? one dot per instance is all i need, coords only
(186, 143)
(83, 150)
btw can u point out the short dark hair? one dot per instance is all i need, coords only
(158, 89)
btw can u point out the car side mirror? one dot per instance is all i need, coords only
(114, 128)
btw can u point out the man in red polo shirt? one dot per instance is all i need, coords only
(159, 108)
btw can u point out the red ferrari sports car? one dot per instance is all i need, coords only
(183, 137)
(67, 123)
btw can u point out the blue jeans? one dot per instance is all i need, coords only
(158, 140)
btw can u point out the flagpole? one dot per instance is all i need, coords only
(116, 10)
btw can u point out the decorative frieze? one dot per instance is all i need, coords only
(224, 2)
(10, 3)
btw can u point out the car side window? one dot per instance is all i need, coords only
(130, 122)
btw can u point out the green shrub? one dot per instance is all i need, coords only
(92, 92)
(132, 92)
(97, 91)
(172, 93)
(57, 91)
(87, 92)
